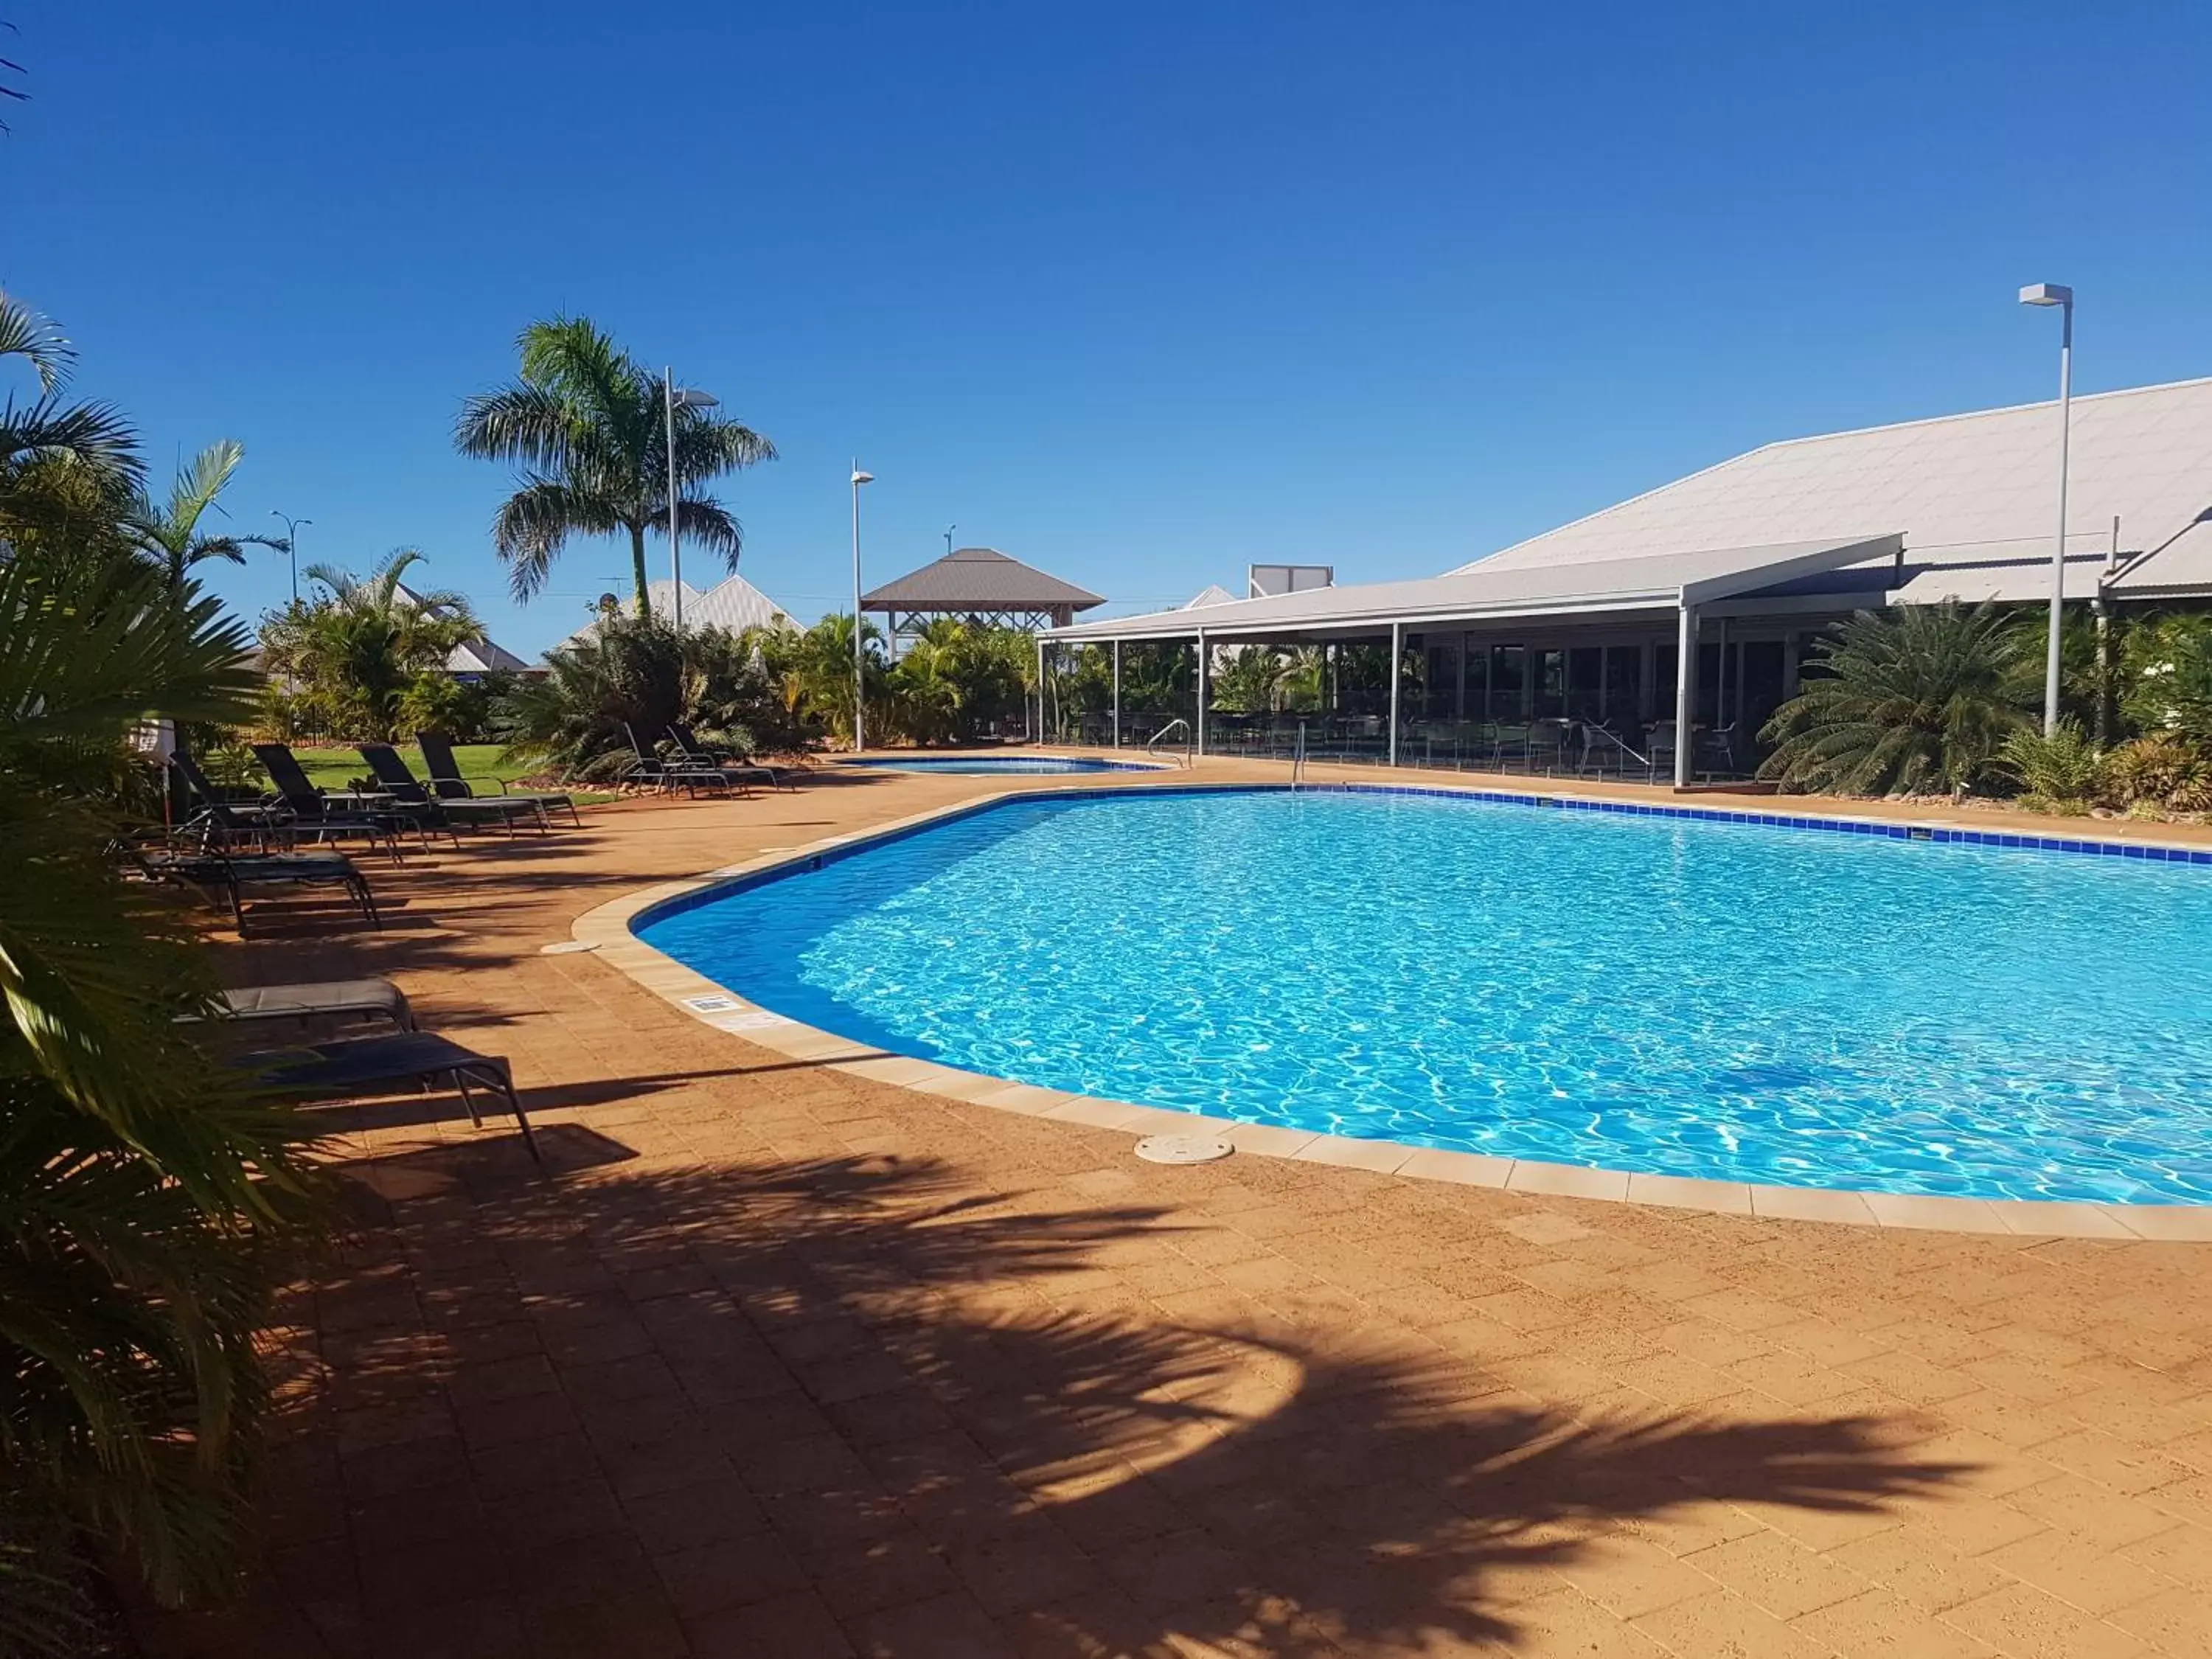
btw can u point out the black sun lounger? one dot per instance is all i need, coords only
(334, 999)
(365, 1066)
(689, 776)
(312, 815)
(690, 752)
(210, 871)
(392, 772)
(447, 783)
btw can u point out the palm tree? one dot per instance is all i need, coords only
(168, 532)
(66, 469)
(584, 426)
(1904, 700)
(365, 647)
(149, 1204)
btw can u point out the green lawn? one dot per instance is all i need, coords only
(337, 767)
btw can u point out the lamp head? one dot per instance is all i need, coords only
(860, 478)
(692, 398)
(2046, 294)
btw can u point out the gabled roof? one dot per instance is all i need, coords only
(733, 603)
(1976, 494)
(481, 655)
(1212, 593)
(978, 578)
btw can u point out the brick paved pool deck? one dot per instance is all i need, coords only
(785, 1360)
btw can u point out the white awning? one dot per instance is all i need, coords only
(1660, 585)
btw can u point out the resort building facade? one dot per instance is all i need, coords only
(1658, 634)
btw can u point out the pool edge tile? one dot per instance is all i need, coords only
(1812, 1203)
(1345, 1152)
(1691, 1192)
(1568, 1180)
(1947, 1215)
(1462, 1169)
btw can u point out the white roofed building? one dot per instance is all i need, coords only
(733, 603)
(1689, 605)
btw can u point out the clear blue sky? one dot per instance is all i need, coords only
(1139, 292)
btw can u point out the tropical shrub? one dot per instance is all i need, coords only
(149, 1204)
(1903, 702)
(2063, 771)
(368, 657)
(585, 428)
(2167, 665)
(640, 672)
(2164, 771)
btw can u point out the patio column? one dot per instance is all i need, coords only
(1198, 736)
(1686, 695)
(1039, 738)
(1397, 666)
(1117, 694)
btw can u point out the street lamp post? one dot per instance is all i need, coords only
(689, 397)
(860, 674)
(292, 546)
(2055, 294)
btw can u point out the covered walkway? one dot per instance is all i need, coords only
(1651, 667)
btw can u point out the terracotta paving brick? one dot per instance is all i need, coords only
(783, 1360)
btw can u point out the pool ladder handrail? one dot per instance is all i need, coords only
(1298, 758)
(1160, 734)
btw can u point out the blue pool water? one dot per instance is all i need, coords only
(1635, 992)
(995, 763)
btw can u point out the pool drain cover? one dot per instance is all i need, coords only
(1182, 1149)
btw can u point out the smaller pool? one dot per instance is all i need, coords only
(994, 765)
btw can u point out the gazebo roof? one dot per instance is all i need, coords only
(978, 578)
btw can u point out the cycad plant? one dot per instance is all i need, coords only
(585, 428)
(148, 1203)
(1903, 702)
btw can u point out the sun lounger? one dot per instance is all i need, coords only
(405, 789)
(365, 1066)
(689, 777)
(689, 752)
(447, 783)
(312, 815)
(210, 870)
(336, 999)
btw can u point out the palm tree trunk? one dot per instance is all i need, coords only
(637, 567)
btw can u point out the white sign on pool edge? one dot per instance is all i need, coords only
(1182, 1149)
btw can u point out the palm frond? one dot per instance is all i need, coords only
(705, 522)
(30, 334)
(93, 434)
(536, 522)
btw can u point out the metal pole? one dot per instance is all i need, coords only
(1199, 735)
(1686, 694)
(860, 671)
(292, 546)
(1117, 694)
(1397, 649)
(1039, 737)
(675, 556)
(2058, 552)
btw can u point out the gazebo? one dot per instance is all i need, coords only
(978, 585)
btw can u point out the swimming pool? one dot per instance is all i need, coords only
(987, 765)
(1640, 993)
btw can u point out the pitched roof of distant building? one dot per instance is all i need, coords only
(733, 603)
(1212, 593)
(978, 578)
(481, 655)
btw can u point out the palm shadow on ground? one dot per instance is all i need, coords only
(666, 1397)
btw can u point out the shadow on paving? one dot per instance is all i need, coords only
(854, 1404)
